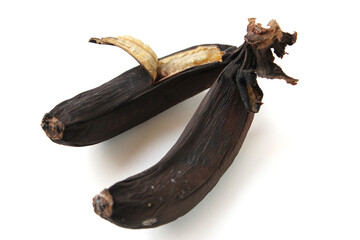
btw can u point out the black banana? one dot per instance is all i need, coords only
(136, 95)
(209, 143)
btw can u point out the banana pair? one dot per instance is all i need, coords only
(210, 141)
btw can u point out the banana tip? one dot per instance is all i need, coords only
(103, 203)
(53, 127)
(95, 40)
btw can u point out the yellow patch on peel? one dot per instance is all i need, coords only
(183, 60)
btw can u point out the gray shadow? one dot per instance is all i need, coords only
(117, 155)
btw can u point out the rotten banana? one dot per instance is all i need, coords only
(136, 95)
(209, 143)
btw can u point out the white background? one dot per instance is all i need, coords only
(296, 176)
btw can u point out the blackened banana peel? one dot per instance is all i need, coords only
(136, 95)
(209, 143)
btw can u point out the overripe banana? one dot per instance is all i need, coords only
(136, 95)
